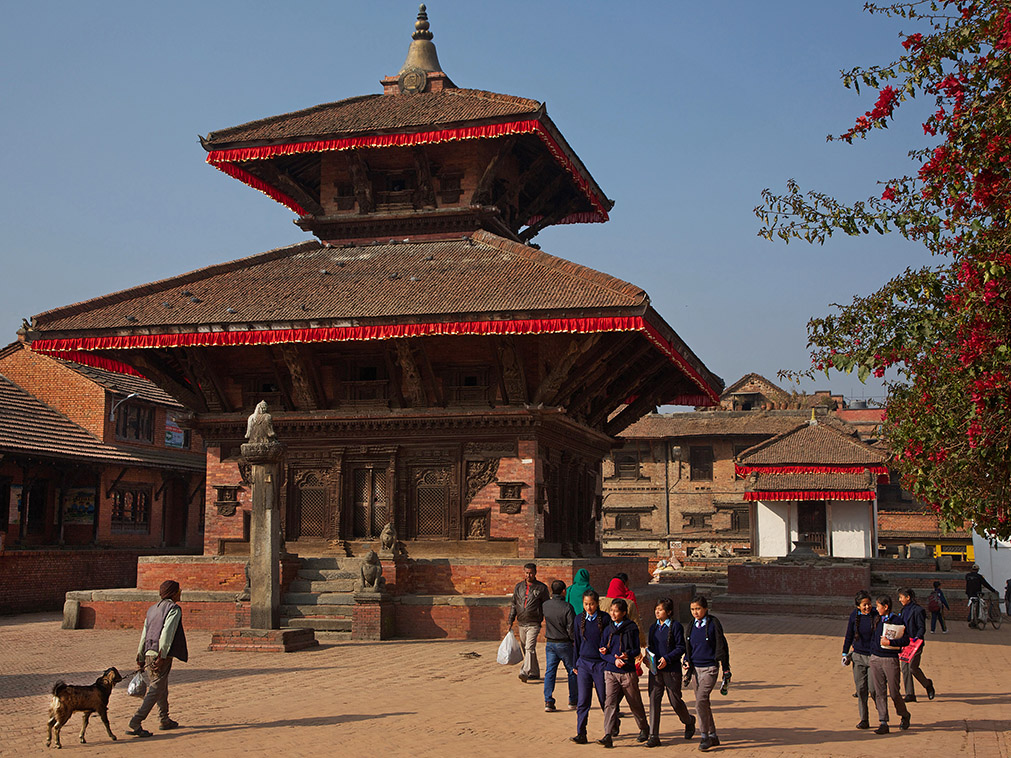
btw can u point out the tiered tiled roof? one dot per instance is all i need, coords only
(372, 113)
(714, 424)
(30, 427)
(312, 282)
(813, 445)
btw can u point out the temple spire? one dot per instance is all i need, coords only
(421, 55)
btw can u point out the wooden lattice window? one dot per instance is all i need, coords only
(131, 508)
(627, 522)
(135, 423)
(312, 501)
(467, 385)
(261, 387)
(740, 520)
(367, 383)
(628, 461)
(431, 502)
(701, 460)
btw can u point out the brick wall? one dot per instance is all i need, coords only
(216, 526)
(38, 580)
(100, 614)
(826, 581)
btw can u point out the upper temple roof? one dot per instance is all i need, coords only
(372, 113)
(480, 274)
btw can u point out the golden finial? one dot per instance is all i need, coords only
(421, 25)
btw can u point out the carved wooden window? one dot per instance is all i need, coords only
(431, 502)
(627, 522)
(740, 520)
(701, 459)
(450, 188)
(696, 521)
(262, 387)
(628, 461)
(135, 423)
(467, 385)
(345, 196)
(395, 190)
(312, 502)
(131, 508)
(369, 502)
(367, 383)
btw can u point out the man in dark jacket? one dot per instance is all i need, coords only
(915, 620)
(558, 620)
(528, 608)
(162, 640)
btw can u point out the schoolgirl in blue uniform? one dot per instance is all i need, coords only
(859, 633)
(706, 651)
(588, 635)
(666, 642)
(885, 666)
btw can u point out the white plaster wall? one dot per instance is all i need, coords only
(773, 528)
(851, 529)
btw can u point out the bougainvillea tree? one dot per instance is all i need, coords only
(943, 329)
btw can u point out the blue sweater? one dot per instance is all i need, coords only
(668, 644)
(859, 632)
(618, 640)
(892, 651)
(586, 645)
(915, 619)
(703, 645)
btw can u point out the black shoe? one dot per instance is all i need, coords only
(606, 741)
(690, 729)
(643, 736)
(653, 741)
(714, 741)
(523, 678)
(168, 724)
(579, 739)
(549, 708)
(882, 729)
(904, 723)
(909, 699)
(864, 725)
(930, 689)
(139, 732)
(705, 744)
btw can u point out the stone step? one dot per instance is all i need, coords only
(328, 563)
(327, 575)
(316, 611)
(322, 599)
(320, 624)
(317, 587)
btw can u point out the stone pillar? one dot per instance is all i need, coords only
(265, 457)
(372, 617)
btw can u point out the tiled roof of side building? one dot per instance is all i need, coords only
(30, 427)
(312, 282)
(817, 444)
(124, 384)
(714, 424)
(812, 482)
(372, 113)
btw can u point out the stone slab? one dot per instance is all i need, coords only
(244, 640)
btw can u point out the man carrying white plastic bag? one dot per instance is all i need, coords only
(509, 651)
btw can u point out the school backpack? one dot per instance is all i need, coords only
(934, 602)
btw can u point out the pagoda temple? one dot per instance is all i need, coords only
(425, 364)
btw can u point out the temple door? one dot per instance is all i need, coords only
(369, 503)
(312, 503)
(811, 524)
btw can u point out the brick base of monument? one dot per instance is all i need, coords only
(373, 617)
(262, 640)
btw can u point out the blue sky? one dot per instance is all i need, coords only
(683, 112)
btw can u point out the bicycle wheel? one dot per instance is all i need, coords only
(995, 618)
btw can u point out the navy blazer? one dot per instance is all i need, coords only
(675, 643)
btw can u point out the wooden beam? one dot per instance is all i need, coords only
(303, 390)
(411, 374)
(588, 367)
(528, 174)
(291, 187)
(549, 219)
(639, 407)
(393, 370)
(483, 192)
(108, 492)
(208, 379)
(280, 371)
(429, 382)
(550, 384)
(359, 172)
(155, 369)
(637, 377)
(539, 205)
(605, 374)
(200, 486)
(511, 370)
(426, 189)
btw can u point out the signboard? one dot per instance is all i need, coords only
(79, 506)
(175, 435)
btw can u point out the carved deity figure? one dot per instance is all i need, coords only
(388, 538)
(370, 578)
(259, 427)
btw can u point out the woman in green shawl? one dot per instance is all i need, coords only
(574, 594)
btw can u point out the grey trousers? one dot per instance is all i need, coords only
(528, 642)
(911, 671)
(863, 681)
(157, 692)
(669, 681)
(614, 686)
(886, 684)
(703, 683)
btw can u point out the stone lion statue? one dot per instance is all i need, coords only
(370, 577)
(259, 427)
(388, 538)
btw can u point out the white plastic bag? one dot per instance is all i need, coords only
(138, 684)
(509, 651)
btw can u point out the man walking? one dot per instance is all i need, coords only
(528, 608)
(162, 640)
(974, 584)
(558, 622)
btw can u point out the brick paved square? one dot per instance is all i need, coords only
(790, 697)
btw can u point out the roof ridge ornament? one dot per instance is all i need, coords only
(422, 58)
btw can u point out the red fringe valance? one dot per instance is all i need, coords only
(62, 347)
(740, 470)
(811, 495)
(225, 159)
(95, 361)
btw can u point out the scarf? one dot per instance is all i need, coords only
(574, 594)
(617, 588)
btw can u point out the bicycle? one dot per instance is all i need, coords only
(977, 613)
(993, 612)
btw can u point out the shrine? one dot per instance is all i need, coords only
(431, 372)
